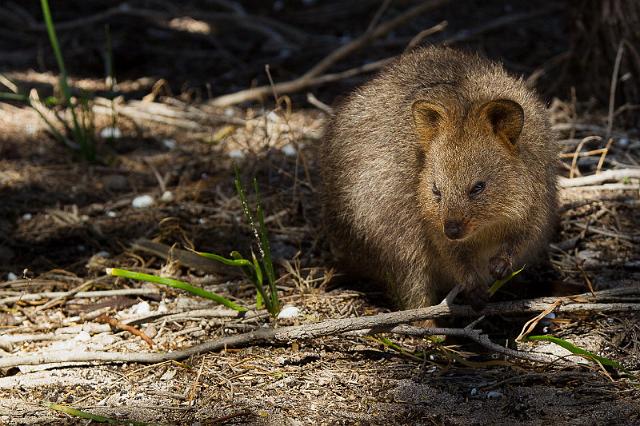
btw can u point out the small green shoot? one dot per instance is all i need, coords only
(261, 266)
(499, 283)
(590, 356)
(170, 282)
(89, 416)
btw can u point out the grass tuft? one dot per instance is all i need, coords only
(261, 266)
(90, 416)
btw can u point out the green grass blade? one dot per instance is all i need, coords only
(8, 96)
(53, 38)
(89, 416)
(229, 262)
(266, 250)
(170, 282)
(499, 283)
(261, 297)
(80, 133)
(578, 351)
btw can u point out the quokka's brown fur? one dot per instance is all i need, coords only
(440, 170)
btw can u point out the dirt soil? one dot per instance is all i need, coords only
(63, 221)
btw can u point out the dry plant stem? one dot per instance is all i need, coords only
(369, 36)
(106, 319)
(417, 39)
(614, 84)
(80, 294)
(576, 153)
(338, 326)
(605, 187)
(606, 176)
(302, 83)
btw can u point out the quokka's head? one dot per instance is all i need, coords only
(471, 175)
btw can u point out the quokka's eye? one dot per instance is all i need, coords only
(476, 189)
(436, 192)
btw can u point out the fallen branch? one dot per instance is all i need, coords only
(305, 81)
(606, 176)
(577, 303)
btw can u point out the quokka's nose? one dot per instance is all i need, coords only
(453, 229)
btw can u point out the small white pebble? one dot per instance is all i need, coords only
(289, 311)
(110, 132)
(229, 112)
(494, 395)
(11, 276)
(169, 143)
(83, 336)
(27, 216)
(202, 221)
(289, 150)
(142, 308)
(167, 197)
(273, 117)
(111, 213)
(142, 202)
(236, 153)
(474, 392)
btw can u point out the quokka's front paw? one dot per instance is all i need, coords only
(500, 266)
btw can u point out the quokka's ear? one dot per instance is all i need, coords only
(428, 119)
(505, 117)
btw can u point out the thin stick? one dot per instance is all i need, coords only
(369, 36)
(574, 161)
(476, 336)
(605, 151)
(106, 319)
(614, 85)
(80, 294)
(606, 176)
(417, 39)
(319, 104)
(376, 18)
